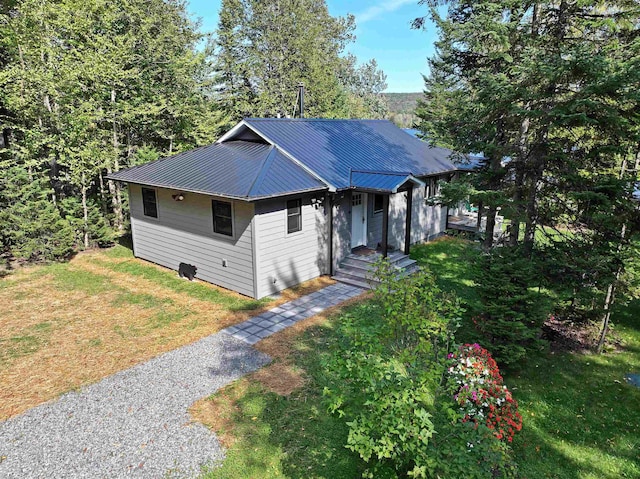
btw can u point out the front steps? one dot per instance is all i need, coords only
(357, 269)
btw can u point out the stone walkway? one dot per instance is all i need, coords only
(135, 424)
(276, 319)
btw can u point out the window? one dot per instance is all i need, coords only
(149, 203)
(222, 217)
(378, 203)
(432, 188)
(294, 216)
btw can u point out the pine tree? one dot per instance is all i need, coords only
(265, 49)
(552, 87)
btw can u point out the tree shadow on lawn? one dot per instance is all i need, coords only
(580, 417)
(451, 261)
(289, 436)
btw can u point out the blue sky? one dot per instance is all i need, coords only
(383, 32)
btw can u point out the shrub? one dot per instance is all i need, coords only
(513, 310)
(390, 370)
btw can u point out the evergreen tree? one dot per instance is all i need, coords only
(265, 49)
(553, 87)
(32, 227)
(84, 85)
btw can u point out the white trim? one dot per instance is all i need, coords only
(254, 252)
(286, 218)
(365, 225)
(155, 192)
(412, 178)
(233, 130)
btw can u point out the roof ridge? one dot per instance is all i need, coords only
(382, 172)
(316, 119)
(262, 172)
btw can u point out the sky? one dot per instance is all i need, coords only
(383, 31)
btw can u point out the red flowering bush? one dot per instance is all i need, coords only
(477, 388)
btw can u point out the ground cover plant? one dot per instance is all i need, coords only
(416, 405)
(65, 325)
(579, 416)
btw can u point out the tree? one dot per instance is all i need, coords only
(84, 85)
(265, 49)
(552, 87)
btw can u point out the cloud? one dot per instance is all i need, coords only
(384, 6)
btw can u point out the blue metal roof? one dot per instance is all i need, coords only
(381, 181)
(235, 169)
(333, 148)
(469, 162)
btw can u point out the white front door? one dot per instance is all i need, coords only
(358, 219)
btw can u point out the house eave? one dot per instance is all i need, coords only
(248, 199)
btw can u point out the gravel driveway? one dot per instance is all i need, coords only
(133, 424)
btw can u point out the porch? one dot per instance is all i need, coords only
(472, 220)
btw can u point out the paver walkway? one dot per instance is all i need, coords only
(135, 424)
(276, 319)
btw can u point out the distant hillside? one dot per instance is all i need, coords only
(402, 108)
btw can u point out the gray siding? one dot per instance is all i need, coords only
(284, 260)
(183, 233)
(341, 227)
(427, 222)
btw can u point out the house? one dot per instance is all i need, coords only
(254, 212)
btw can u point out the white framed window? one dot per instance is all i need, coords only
(149, 202)
(222, 217)
(294, 216)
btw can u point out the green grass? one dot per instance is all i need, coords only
(28, 342)
(118, 251)
(294, 436)
(163, 319)
(581, 419)
(170, 280)
(143, 300)
(68, 278)
(450, 260)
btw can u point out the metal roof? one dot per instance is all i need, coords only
(333, 148)
(381, 181)
(234, 169)
(470, 162)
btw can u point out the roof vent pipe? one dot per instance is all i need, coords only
(301, 99)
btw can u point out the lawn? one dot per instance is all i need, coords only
(65, 325)
(274, 421)
(581, 419)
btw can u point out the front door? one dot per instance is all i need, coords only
(358, 219)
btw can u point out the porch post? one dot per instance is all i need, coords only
(407, 226)
(385, 225)
(329, 208)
